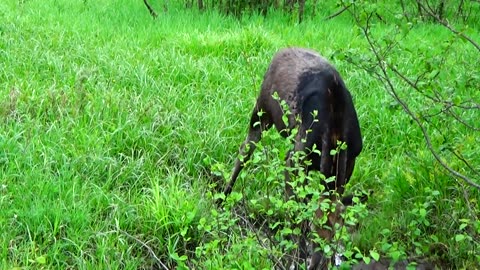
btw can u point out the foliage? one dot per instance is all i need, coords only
(411, 10)
(443, 101)
(271, 224)
(110, 123)
(448, 100)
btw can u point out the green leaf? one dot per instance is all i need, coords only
(219, 196)
(459, 237)
(395, 255)
(411, 267)
(41, 260)
(327, 249)
(184, 231)
(286, 231)
(366, 259)
(177, 258)
(432, 74)
(386, 247)
(375, 255)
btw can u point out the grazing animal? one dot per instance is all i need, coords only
(319, 103)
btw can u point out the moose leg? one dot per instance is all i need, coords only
(326, 230)
(343, 171)
(302, 251)
(299, 146)
(257, 125)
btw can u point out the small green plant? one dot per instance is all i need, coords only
(269, 220)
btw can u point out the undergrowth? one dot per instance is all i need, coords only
(113, 126)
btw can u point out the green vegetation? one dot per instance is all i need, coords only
(113, 126)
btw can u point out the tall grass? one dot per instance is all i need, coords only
(110, 121)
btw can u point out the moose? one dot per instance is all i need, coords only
(322, 111)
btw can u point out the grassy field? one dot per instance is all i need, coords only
(110, 123)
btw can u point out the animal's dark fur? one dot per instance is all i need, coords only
(307, 83)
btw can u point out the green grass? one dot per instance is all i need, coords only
(110, 121)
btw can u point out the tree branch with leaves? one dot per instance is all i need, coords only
(434, 84)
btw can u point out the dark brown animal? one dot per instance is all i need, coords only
(319, 103)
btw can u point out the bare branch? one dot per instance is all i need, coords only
(469, 105)
(338, 12)
(460, 157)
(460, 120)
(411, 83)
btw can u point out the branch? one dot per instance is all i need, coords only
(460, 120)
(389, 85)
(460, 157)
(338, 12)
(449, 27)
(448, 105)
(150, 9)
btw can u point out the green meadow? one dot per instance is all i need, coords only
(112, 127)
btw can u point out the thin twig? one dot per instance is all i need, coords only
(150, 9)
(460, 157)
(454, 115)
(412, 84)
(448, 105)
(338, 12)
